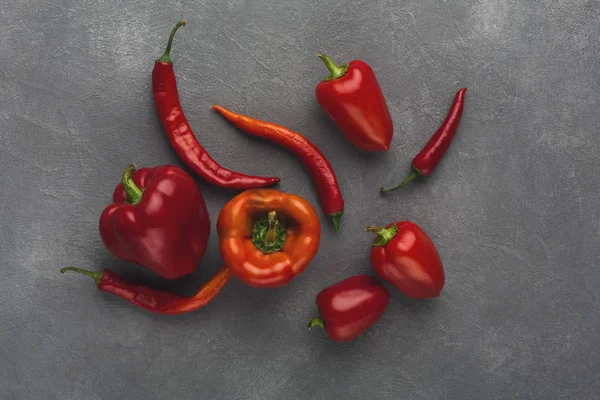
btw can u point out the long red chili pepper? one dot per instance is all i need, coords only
(180, 134)
(154, 300)
(314, 161)
(426, 161)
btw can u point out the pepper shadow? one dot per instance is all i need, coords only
(408, 304)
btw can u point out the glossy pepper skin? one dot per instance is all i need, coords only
(404, 255)
(268, 237)
(311, 157)
(352, 97)
(156, 301)
(425, 162)
(350, 307)
(158, 219)
(180, 134)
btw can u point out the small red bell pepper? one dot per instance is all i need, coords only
(350, 307)
(405, 256)
(158, 220)
(351, 96)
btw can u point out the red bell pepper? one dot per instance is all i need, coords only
(351, 96)
(158, 220)
(405, 256)
(350, 307)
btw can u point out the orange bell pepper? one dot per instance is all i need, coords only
(267, 237)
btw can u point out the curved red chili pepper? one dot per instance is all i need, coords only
(153, 300)
(180, 134)
(311, 157)
(428, 158)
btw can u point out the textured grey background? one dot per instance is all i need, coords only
(513, 208)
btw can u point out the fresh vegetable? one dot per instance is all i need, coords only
(267, 237)
(158, 219)
(350, 307)
(311, 157)
(180, 134)
(352, 97)
(153, 300)
(426, 161)
(405, 256)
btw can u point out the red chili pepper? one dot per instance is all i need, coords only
(352, 97)
(158, 220)
(405, 256)
(425, 162)
(350, 307)
(314, 161)
(180, 134)
(154, 300)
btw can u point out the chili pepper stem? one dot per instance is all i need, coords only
(134, 193)
(97, 276)
(166, 57)
(318, 321)
(335, 219)
(335, 71)
(384, 235)
(413, 175)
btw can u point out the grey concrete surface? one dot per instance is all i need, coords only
(513, 208)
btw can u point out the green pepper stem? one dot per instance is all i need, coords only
(318, 321)
(335, 219)
(134, 193)
(269, 235)
(413, 175)
(335, 71)
(166, 57)
(384, 235)
(97, 276)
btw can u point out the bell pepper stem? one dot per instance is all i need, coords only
(134, 193)
(384, 235)
(335, 219)
(335, 71)
(413, 175)
(166, 57)
(318, 321)
(97, 276)
(269, 235)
